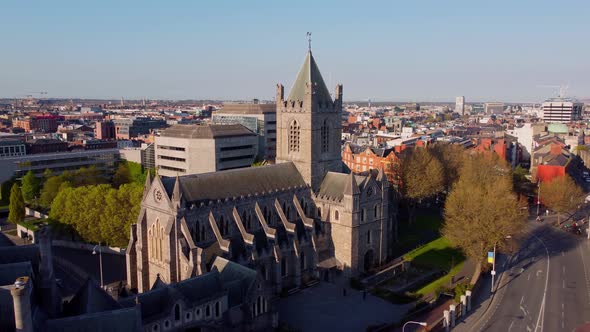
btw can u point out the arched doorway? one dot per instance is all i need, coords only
(369, 256)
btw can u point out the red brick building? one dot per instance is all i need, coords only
(364, 158)
(104, 130)
(39, 123)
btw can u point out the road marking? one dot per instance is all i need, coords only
(542, 309)
(563, 270)
(539, 271)
(523, 310)
(510, 327)
(522, 299)
(529, 278)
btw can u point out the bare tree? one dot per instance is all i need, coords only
(422, 177)
(561, 195)
(482, 209)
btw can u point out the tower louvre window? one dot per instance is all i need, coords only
(294, 136)
(325, 133)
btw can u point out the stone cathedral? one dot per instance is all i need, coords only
(299, 220)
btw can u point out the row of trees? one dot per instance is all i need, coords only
(99, 213)
(83, 201)
(426, 172)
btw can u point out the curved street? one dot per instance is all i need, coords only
(546, 286)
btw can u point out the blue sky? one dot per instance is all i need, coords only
(382, 50)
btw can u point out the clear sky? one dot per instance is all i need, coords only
(382, 50)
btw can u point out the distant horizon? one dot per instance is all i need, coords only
(116, 101)
(224, 50)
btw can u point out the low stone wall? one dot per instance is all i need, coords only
(22, 232)
(88, 247)
(34, 213)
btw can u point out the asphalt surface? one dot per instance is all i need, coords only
(546, 286)
(113, 266)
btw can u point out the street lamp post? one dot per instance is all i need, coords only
(413, 322)
(99, 262)
(494, 264)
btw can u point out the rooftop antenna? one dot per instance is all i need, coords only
(308, 40)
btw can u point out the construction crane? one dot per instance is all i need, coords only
(562, 89)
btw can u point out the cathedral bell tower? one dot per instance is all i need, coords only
(309, 126)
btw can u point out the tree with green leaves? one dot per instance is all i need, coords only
(16, 208)
(122, 175)
(47, 173)
(561, 195)
(99, 213)
(482, 209)
(5, 191)
(422, 177)
(50, 190)
(30, 186)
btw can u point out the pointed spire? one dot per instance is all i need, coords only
(351, 187)
(176, 194)
(148, 183)
(309, 76)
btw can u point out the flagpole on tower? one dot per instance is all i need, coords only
(309, 41)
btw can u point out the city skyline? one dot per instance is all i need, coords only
(410, 52)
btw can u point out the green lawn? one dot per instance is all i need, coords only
(438, 254)
(426, 225)
(442, 281)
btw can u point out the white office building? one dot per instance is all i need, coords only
(194, 149)
(460, 105)
(562, 110)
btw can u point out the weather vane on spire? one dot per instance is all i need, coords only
(309, 40)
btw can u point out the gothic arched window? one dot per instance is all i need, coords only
(155, 241)
(294, 132)
(325, 132)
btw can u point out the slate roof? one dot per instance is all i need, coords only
(206, 131)
(90, 299)
(16, 254)
(121, 320)
(236, 182)
(160, 301)
(335, 185)
(10, 272)
(309, 74)
(237, 279)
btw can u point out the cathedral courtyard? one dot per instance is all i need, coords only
(324, 307)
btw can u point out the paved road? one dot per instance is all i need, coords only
(114, 268)
(546, 287)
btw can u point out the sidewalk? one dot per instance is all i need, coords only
(483, 299)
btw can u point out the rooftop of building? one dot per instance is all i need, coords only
(206, 131)
(236, 182)
(247, 108)
(562, 100)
